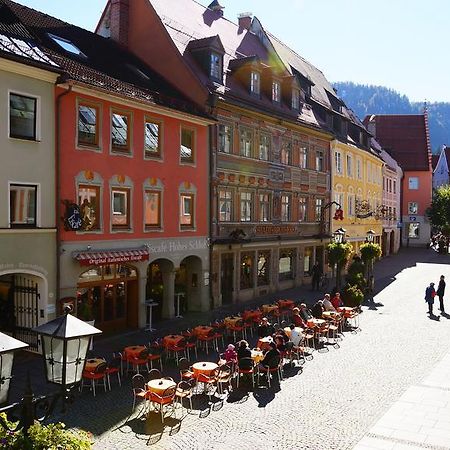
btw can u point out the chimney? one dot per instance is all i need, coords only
(245, 20)
(119, 21)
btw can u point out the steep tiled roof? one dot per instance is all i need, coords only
(102, 63)
(188, 20)
(405, 137)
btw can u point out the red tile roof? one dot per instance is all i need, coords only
(405, 137)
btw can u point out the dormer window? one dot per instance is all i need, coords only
(66, 45)
(255, 83)
(215, 66)
(295, 102)
(276, 91)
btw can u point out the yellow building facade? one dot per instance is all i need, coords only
(357, 185)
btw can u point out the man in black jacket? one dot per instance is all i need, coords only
(440, 292)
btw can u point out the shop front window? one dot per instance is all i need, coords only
(89, 202)
(247, 269)
(286, 265)
(263, 268)
(413, 230)
(307, 260)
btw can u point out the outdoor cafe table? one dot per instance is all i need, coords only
(159, 385)
(267, 309)
(204, 368)
(347, 310)
(330, 314)
(286, 304)
(202, 330)
(172, 339)
(252, 314)
(315, 322)
(92, 363)
(264, 343)
(231, 321)
(257, 356)
(133, 351)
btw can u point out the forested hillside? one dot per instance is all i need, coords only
(365, 100)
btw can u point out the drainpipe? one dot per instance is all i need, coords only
(61, 80)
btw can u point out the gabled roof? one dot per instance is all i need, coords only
(434, 160)
(100, 63)
(405, 137)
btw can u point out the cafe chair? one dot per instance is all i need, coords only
(184, 391)
(353, 320)
(155, 354)
(224, 376)
(98, 374)
(114, 367)
(333, 329)
(308, 342)
(191, 343)
(165, 400)
(139, 361)
(248, 325)
(184, 366)
(246, 367)
(208, 381)
(176, 349)
(139, 391)
(154, 374)
(274, 366)
(236, 328)
(210, 337)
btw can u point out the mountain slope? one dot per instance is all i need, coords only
(364, 99)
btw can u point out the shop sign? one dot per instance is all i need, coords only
(110, 257)
(275, 229)
(72, 217)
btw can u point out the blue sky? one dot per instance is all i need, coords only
(400, 44)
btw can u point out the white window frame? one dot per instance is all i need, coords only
(37, 206)
(349, 163)
(248, 202)
(276, 91)
(255, 82)
(413, 186)
(359, 168)
(38, 114)
(338, 162)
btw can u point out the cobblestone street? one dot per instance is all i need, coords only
(330, 404)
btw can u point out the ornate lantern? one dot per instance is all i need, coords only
(339, 235)
(370, 236)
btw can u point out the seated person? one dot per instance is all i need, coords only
(243, 350)
(230, 354)
(328, 306)
(279, 342)
(264, 328)
(336, 301)
(305, 313)
(281, 334)
(317, 309)
(271, 357)
(296, 334)
(296, 319)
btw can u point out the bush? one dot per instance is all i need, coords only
(352, 296)
(338, 253)
(44, 437)
(370, 251)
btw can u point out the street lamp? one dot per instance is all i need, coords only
(65, 342)
(370, 236)
(8, 345)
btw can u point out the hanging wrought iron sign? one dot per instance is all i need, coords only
(362, 209)
(72, 216)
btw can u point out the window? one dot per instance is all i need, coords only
(350, 205)
(152, 209)
(302, 209)
(307, 260)
(88, 129)
(66, 45)
(285, 208)
(286, 265)
(246, 142)
(358, 169)
(263, 268)
(295, 102)
(264, 146)
(318, 209)
(120, 132)
(286, 152)
(303, 158)
(120, 208)
(152, 139)
(276, 91)
(255, 83)
(338, 162)
(225, 138)
(187, 145)
(413, 183)
(349, 166)
(187, 210)
(413, 208)
(22, 117)
(225, 205)
(319, 161)
(247, 270)
(413, 230)
(22, 206)
(369, 172)
(264, 207)
(215, 68)
(394, 213)
(89, 202)
(246, 206)
(394, 186)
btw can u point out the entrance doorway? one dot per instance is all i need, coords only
(226, 278)
(188, 281)
(159, 273)
(19, 307)
(392, 242)
(109, 296)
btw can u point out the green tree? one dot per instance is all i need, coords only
(338, 255)
(439, 211)
(369, 252)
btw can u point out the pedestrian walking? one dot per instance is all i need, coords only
(429, 298)
(316, 273)
(440, 293)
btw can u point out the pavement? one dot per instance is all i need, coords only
(386, 387)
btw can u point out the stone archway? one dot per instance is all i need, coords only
(189, 280)
(161, 288)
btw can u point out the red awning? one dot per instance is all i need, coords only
(102, 257)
